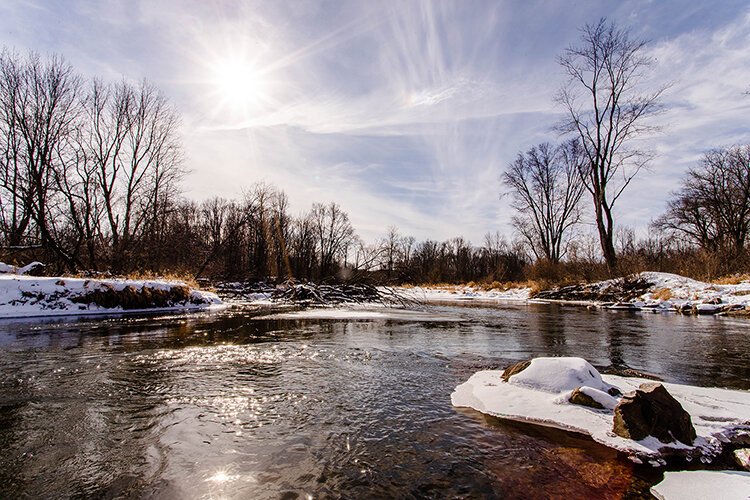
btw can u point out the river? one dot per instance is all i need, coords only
(235, 405)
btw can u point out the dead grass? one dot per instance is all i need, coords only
(662, 294)
(142, 276)
(733, 279)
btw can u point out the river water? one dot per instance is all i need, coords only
(232, 405)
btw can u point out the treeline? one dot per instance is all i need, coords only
(90, 180)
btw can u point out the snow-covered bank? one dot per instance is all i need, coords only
(702, 484)
(460, 293)
(541, 394)
(648, 291)
(29, 296)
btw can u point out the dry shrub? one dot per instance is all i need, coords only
(662, 294)
(539, 286)
(734, 279)
(186, 278)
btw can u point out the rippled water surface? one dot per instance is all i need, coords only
(232, 405)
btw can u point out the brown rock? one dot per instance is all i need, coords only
(742, 456)
(580, 398)
(513, 369)
(651, 411)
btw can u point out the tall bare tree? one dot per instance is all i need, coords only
(607, 108)
(546, 190)
(133, 141)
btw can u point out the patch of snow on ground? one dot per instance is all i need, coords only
(717, 414)
(462, 293)
(702, 484)
(686, 289)
(360, 313)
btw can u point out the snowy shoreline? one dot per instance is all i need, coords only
(31, 297)
(665, 293)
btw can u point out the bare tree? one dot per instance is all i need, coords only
(390, 250)
(39, 106)
(334, 233)
(712, 208)
(134, 143)
(607, 109)
(546, 190)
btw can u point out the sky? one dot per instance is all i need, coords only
(403, 112)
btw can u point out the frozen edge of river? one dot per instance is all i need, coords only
(718, 415)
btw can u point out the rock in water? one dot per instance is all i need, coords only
(651, 411)
(513, 369)
(581, 398)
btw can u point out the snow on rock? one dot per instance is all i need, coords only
(8, 269)
(27, 296)
(559, 375)
(600, 397)
(718, 415)
(702, 484)
(742, 456)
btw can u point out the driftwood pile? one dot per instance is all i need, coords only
(620, 290)
(312, 294)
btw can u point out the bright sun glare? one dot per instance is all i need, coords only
(239, 83)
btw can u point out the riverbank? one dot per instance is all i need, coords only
(648, 291)
(30, 296)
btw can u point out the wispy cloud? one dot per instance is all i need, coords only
(404, 112)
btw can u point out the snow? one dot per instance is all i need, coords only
(600, 397)
(360, 313)
(559, 375)
(465, 293)
(701, 484)
(8, 269)
(718, 415)
(27, 296)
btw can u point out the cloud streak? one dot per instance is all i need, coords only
(405, 113)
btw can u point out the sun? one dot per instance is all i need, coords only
(239, 83)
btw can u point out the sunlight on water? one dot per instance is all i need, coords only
(354, 409)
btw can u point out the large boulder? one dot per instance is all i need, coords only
(651, 411)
